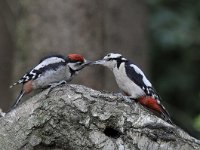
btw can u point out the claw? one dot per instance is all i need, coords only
(127, 99)
(53, 85)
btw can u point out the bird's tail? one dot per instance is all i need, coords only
(156, 107)
(165, 115)
(18, 82)
(21, 94)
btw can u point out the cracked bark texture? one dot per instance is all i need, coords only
(75, 117)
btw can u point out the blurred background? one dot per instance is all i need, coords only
(162, 37)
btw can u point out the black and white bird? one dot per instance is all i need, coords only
(132, 81)
(50, 72)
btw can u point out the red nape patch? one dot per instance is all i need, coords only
(76, 57)
(151, 103)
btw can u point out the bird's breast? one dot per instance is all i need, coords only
(126, 84)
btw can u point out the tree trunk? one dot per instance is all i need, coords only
(74, 117)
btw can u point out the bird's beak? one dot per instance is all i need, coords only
(99, 62)
(87, 62)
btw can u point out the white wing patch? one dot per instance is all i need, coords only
(139, 71)
(48, 61)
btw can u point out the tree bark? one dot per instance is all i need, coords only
(75, 117)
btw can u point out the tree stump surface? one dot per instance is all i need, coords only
(75, 117)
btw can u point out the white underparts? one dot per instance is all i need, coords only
(125, 83)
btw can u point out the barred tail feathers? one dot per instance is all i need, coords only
(165, 115)
(16, 83)
(11, 86)
(22, 80)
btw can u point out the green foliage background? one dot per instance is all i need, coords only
(175, 41)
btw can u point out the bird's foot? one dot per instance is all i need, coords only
(53, 85)
(124, 98)
(127, 99)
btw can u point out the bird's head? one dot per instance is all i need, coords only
(110, 60)
(77, 62)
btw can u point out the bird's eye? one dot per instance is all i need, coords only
(108, 55)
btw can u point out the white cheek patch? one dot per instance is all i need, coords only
(71, 65)
(110, 64)
(74, 66)
(145, 80)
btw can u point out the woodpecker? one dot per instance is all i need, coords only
(50, 72)
(132, 81)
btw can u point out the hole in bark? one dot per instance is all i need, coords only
(109, 131)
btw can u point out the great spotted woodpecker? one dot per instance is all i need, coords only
(50, 72)
(132, 81)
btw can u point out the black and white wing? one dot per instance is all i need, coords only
(47, 63)
(136, 75)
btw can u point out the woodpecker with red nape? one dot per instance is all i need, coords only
(132, 81)
(50, 72)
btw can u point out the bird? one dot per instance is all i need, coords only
(51, 71)
(133, 82)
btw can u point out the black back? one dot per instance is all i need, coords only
(133, 75)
